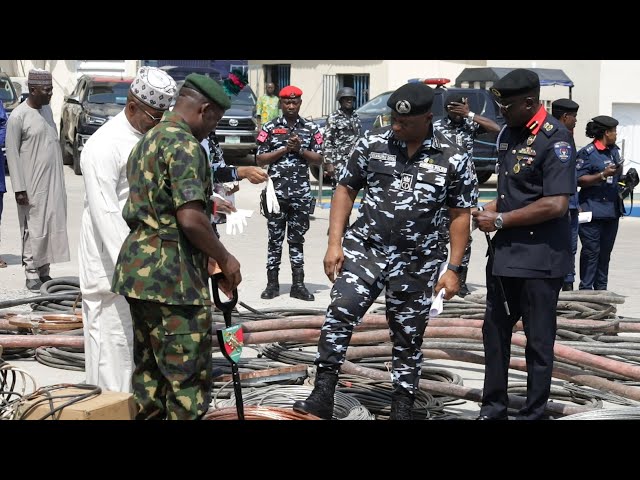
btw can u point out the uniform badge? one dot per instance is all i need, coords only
(262, 136)
(548, 127)
(406, 182)
(562, 150)
(503, 146)
(527, 151)
(530, 140)
(516, 168)
(280, 131)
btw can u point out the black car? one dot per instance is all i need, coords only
(93, 101)
(237, 130)
(480, 101)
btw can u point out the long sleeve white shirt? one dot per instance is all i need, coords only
(104, 169)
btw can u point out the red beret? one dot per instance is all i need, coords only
(290, 92)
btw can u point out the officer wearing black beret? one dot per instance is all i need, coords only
(408, 172)
(536, 175)
(599, 171)
(566, 111)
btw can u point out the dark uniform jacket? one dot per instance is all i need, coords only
(167, 168)
(397, 225)
(290, 174)
(600, 199)
(533, 162)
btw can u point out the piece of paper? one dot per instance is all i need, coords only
(437, 301)
(584, 217)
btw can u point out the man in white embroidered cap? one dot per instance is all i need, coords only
(37, 178)
(108, 330)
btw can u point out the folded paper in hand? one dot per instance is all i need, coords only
(437, 301)
(584, 217)
(272, 201)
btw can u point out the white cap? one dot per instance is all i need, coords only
(154, 87)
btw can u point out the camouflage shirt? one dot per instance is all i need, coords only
(166, 169)
(290, 174)
(460, 133)
(397, 225)
(340, 135)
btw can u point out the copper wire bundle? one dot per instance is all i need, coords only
(257, 413)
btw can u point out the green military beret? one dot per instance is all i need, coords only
(208, 87)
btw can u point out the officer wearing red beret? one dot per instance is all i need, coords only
(287, 145)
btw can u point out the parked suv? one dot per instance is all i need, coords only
(237, 130)
(480, 101)
(93, 101)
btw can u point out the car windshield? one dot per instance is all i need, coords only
(376, 106)
(245, 97)
(109, 93)
(7, 93)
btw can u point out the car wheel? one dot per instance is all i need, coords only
(66, 158)
(484, 176)
(76, 158)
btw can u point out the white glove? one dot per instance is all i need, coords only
(236, 221)
(272, 201)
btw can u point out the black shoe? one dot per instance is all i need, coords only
(567, 286)
(487, 417)
(273, 285)
(298, 290)
(320, 402)
(46, 278)
(401, 405)
(33, 285)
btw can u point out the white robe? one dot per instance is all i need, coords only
(35, 165)
(108, 328)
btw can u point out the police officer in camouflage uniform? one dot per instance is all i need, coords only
(409, 171)
(162, 266)
(288, 144)
(341, 132)
(536, 175)
(461, 126)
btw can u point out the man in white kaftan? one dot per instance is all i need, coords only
(37, 178)
(108, 328)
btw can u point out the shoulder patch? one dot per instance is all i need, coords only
(589, 148)
(562, 150)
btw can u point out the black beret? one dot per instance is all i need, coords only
(208, 87)
(565, 105)
(411, 99)
(455, 98)
(516, 82)
(605, 121)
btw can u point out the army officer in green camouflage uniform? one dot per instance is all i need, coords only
(162, 266)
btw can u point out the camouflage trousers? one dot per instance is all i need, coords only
(172, 356)
(407, 316)
(444, 238)
(294, 220)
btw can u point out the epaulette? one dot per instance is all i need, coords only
(548, 128)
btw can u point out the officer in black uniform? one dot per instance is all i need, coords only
(566, 111)
(408, 171)
(536, 175)
(599, 170)
(287, 145)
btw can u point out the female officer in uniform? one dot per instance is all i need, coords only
(599, 169)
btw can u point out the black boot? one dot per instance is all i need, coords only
(464, 290)
(567, 286)
(298, 290)
(320, 402)
(401, 405)
(273, 287)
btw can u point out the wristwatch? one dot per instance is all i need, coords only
(456, 268)
(498, 222)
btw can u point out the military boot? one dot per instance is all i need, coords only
(273, 287)
(464, 290)
(320, 402)
(401, 405)
(298, 290)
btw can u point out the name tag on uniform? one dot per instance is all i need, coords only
(388, 159)
(430, 167)
(503, 146)
(406, 182)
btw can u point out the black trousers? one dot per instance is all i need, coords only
(535, 300)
